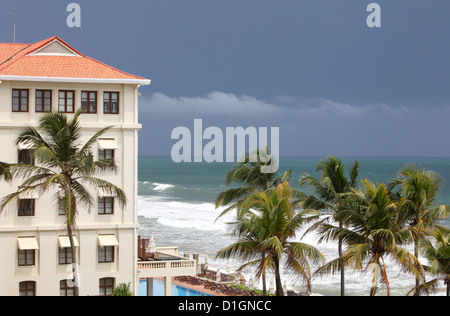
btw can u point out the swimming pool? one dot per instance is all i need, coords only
(158, 289)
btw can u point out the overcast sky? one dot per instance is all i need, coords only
(312, 68)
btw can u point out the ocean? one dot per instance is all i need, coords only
(176, 206)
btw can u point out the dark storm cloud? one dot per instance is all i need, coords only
(313, 68)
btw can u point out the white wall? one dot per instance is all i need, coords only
(47, 225)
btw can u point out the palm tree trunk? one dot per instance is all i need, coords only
(278, 284)
(416, 253)
(341, 264)
(385, 277)
(447, 281)
(342, 268)
(263, 275)
(264, 284)
(74, 262)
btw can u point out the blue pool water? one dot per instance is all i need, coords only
(158, 289)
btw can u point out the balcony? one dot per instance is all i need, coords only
(165, 262)
(166, 265)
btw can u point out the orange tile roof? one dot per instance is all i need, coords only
(9, 50)
(18, 60)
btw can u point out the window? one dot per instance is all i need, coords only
(105, 254)
(106, 154)
(111, 103)
(26, 257)
(26, 207)
(44, 101)
(20, 100)
(89, 101)
(25, 157)
(107, 286)
(105, 205)
(66, 101)
(27, 288)
(65, 289)
(107, 148)
(65, 256)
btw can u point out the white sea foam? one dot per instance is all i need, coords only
(198, 216)
(162, 186)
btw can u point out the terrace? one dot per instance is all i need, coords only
(162, 262)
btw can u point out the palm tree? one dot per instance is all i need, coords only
(4, 171)
(247, 248)
(419, 189)
(274, 224)
(374, 235)
(66, 167)
(438, 254)
(251, 179)
(329, 196)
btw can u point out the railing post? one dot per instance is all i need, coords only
(168, 286)
(149, 286)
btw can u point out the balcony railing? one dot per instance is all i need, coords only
(172, 266)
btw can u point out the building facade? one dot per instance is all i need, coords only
(51, 76)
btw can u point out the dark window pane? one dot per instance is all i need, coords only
(26, 207)
(43, 100)
(20, 100)
(66, 101)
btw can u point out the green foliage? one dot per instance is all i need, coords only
(250, 179)
(243, 287)
(4, 171)
(370, 222)
(123, 290)
(437, 252)
(330, 197)
(267, 231)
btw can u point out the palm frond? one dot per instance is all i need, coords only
(245, 249)
(408, 262)
(332, 267)
(88, 145)
(424, 288)
(356, 255)
(304, 250)
(106, 186)
(68, 206)
(5, 172)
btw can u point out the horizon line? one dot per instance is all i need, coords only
(319, 156)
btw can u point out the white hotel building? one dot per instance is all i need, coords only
(52, 76)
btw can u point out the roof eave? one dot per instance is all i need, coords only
(138, 81)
